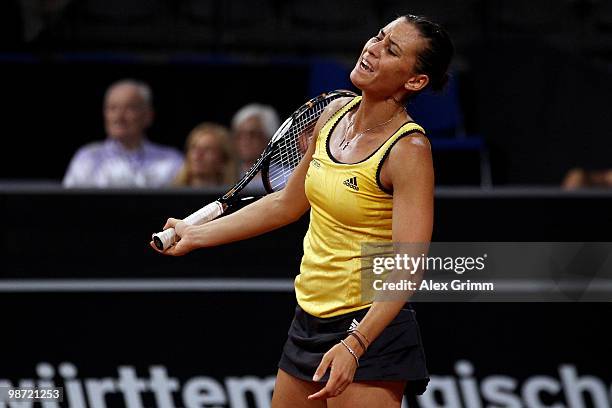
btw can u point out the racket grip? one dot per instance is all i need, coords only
(165, 239)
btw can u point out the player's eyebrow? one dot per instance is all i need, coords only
(396, 45)
(382, 32)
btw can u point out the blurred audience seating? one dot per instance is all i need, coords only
(125, 24)
(322, 26)
(440, 114)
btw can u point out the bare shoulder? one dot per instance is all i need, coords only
(410, 155)
(333, 107)
(414, 145)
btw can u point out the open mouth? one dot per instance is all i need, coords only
(365, 65)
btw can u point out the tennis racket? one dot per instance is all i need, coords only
(278, 160)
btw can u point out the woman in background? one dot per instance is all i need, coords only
(209, 160)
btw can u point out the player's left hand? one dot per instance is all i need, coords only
(343, 367)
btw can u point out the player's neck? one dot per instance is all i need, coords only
(373, 111)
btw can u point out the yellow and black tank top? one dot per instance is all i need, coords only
(349, 206)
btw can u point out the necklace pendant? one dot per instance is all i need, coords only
(343, 141)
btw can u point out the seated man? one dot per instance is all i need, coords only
(126, 158)
(252, 126)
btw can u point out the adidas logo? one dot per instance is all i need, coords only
(351, 183)
(353, 325)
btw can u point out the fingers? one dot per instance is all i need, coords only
(180, 227)
(175, 250)
(339, 380)
(322, 394)
(152, 244)
(170, 223)
(181, 246)
(171, 251)
(322, 368)
(340, 377)
(320, 372)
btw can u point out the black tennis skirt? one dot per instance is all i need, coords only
(396, 355)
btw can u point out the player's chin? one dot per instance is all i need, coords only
(355, 79)
(360, 79)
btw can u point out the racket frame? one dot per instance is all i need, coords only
(166, 238)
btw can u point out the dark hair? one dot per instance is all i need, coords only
(435, 58)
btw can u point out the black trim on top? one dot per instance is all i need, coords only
(382, 160)
(333, 127)
(334, 124)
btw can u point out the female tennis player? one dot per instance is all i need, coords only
(367, 176)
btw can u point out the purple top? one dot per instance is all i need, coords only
(109, 164)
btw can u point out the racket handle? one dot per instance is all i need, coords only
(166, 238)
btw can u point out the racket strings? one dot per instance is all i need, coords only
(292, 147)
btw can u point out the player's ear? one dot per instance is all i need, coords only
(416, 83)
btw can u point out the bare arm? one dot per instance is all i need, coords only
(271, 212)
(411, 172)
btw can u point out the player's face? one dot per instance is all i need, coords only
(387, 63)
(126, 114)
(250, 139)
(205, 155)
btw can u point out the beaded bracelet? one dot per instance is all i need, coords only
(351, 351)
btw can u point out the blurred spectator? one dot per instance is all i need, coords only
(40, 14)
(126, 158)
(252, 126)
(581, 178)
(209, 159)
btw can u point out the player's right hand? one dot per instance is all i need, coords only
(182, 245)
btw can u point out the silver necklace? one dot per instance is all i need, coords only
(344, 143)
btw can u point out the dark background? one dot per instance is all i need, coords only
(189, 334)
(94, 237)
(79, 233)
(531, 78)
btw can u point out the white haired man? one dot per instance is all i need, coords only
(126, 158)
(252, 126)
